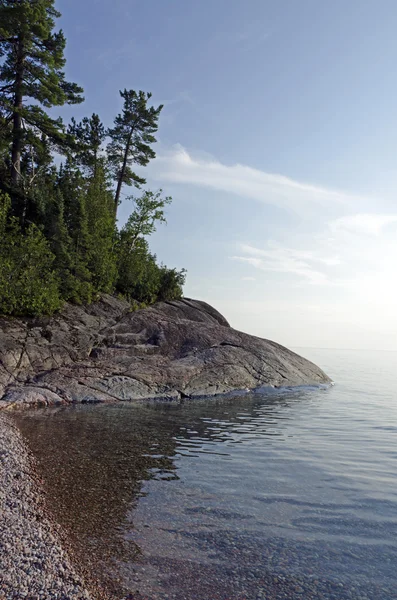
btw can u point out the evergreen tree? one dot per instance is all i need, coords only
(88, 136)
(31, 71)
(76, 286)
(58, 235)
(39, 179)
(5, 144)
(131, 139)
(102, 260)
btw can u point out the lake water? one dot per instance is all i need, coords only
(282, 496)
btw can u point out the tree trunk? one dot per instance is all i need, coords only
(121, 176)
(17, 118)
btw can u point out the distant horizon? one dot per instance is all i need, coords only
(278, 144)
(343, 349)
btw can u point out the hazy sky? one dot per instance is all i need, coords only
(278, 143)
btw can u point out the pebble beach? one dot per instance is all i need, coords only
(33, 564)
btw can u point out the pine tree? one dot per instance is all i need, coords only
(102, 260)
(58, 237)
(31, 75)
(72, 186)
(39, 175)
(88, 137)
(131, 139)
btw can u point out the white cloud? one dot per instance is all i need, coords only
(362, 223)
(281, 252)
(178, 166)
(353, 253)
(278, 258)
(343, 258)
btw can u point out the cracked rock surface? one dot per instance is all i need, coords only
(106, 352)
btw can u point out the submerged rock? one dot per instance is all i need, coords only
(107, 352)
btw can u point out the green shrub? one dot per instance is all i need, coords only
(140, 278)
(28, 284)
(138, 273)
(171, 284)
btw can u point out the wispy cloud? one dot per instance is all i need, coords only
(345, 246)
(278, 258)
(354, 252)
(363, 223)
(112, 56)
(179, 166)
(174, 105)
(246, 39)
(184, 96)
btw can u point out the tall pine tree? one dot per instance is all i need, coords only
(31, 75)
(131, 139)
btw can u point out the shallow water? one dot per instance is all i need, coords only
(289, 495)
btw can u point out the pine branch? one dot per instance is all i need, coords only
(11, 40)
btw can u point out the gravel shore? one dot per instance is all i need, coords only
(33, 564)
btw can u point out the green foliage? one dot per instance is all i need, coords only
(28, 284)
(76, 283)
(32, 70)
(88, 136)
(58, 234)
(141, 278)
(131, 139)
(171, 284)
(138, 273)
(102, 259)
(149, 210)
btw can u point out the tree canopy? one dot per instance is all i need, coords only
(58, 220)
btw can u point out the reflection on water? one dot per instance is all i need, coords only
(292, 495)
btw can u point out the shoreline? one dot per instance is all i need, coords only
(37, 555)
(34, 559)
(172, 351)
(175, 398)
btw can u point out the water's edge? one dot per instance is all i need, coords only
(287, 494)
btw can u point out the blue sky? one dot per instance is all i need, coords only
(278, 144)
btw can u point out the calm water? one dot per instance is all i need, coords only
(292, 495)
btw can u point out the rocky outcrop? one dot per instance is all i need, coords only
(107, 352)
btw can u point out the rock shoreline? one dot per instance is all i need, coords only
(106, 353)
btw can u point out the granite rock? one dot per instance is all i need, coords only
(107, 352)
